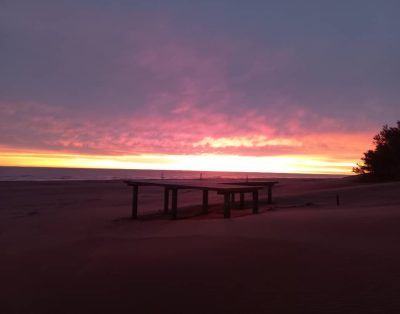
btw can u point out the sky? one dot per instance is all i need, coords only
(276, 86)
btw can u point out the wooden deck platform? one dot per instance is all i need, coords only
(228, 190)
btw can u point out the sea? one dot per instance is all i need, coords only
(63, 174)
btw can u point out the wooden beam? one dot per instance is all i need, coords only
(135, 192)
(174, 203)
(227, 206)
(241, 200)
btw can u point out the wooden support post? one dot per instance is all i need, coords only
(255, 201)
(233, 198)
(269, 200)
(205, 201)
(135, 192)
(241, 200)
(227, 206)
(166, 200)
(174, 203)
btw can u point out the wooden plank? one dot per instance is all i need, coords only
(253, 183)
(186, 184)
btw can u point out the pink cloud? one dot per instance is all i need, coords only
(188, 131)
(200, 113)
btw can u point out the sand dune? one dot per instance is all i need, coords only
(70, 247)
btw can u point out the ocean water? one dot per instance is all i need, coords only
(50, 174)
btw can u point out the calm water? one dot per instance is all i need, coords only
(42, 174)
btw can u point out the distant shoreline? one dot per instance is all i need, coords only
(99, 174)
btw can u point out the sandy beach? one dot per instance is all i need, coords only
(70, 247)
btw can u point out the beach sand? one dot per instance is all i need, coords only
(70, 247)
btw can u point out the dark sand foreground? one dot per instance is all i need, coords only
(70, 247)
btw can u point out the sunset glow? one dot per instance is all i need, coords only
(207, 162)
(196, 86)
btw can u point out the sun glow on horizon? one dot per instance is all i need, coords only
(202, 162)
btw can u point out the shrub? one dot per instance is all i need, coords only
(383, 162)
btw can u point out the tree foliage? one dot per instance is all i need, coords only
(383, 161)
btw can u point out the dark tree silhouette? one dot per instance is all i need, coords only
(383, 162)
